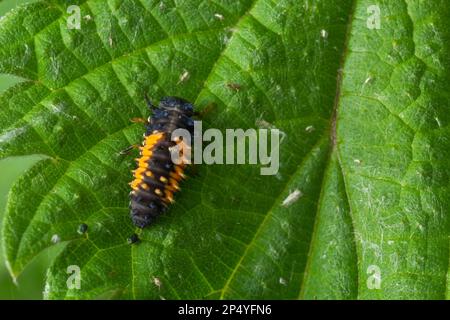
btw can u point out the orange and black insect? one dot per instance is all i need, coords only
(156, 179)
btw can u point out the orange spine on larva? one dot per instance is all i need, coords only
(146, 153)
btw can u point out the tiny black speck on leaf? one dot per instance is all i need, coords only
(82, 228)
(133, 238)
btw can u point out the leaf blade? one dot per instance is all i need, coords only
(230, 224)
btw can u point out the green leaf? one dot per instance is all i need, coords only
(366, 150)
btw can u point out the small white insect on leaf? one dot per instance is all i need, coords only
(184, 76)
(369, 79)
(157, 282)
(56, 238)
(438, 122)
(291, 198)
(218, 16)
(263, 124)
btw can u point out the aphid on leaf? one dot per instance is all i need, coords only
(219, 16)
(184, 76)
(133, 238)
(82, 228)
(56, 238)
(156, 178)
(234, 86)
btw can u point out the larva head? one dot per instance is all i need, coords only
(170, 103)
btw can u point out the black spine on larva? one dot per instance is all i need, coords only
(171, 114)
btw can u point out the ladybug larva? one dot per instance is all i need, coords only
(157, 177)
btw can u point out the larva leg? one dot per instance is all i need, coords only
(208, 109)
(150, 105)
(139, 120)
(129, 149)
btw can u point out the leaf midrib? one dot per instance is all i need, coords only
(333, 148)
